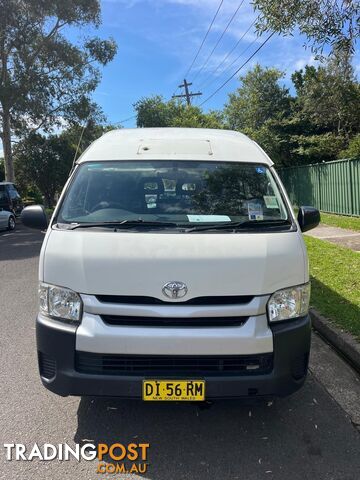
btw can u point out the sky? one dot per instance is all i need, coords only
(157, 41)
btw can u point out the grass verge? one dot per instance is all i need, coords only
(352, 223)
(335, 281)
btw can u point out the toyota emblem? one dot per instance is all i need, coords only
(174, 289)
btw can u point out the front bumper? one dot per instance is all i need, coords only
(56, 349)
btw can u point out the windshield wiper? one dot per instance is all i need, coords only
(232, 226)
(122, 224)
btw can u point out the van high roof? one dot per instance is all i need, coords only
(175, 144)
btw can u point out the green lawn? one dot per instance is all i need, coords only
(335, 282)
(353, 223)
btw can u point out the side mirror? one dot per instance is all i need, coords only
(34, 216)
(308, 218)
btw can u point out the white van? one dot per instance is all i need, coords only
(173, 269)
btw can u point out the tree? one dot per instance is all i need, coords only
(327, 109)
(329, 96)
(44, 78)
(317, 148)
(353, 149)
(194, 117)
(313, 126)
(156, 112)
(43, 162)
(2, 170)
(260, 108)
(79, 137)
(259, 99)
(322, 22)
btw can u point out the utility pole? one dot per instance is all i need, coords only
(187, 94)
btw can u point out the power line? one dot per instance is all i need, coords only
(229, 53)
(239, 56)
(221, 86)
(219, 40)
(201, 45)
(204, 39)
(237, 71)
(228, 68)
(127, 119)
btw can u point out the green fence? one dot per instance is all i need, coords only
(332, 187)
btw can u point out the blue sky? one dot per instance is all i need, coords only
(157, 40)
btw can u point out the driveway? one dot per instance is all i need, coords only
(339, 236)
(307, 436)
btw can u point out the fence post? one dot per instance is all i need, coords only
(319, 182)
(351, 188)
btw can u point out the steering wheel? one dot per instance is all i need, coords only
(104, 204)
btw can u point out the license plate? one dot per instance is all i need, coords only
(174, 390)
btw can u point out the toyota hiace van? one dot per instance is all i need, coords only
(173, 268)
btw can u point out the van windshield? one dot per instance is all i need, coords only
(180, 192)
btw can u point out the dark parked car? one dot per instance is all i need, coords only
(10, 199)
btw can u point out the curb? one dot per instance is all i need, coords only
(344, 342)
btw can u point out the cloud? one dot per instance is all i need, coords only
(173, 30)
(186, 21)
(196, 3)
(102, 93)
(301, 62)
(208, 7)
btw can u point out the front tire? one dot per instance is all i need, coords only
(11, 223)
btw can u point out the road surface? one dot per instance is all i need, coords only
(306, 436)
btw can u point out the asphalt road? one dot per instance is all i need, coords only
(306, 436)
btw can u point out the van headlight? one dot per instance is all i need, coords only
(59, 302)
(289, 303)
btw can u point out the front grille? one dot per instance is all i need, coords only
(181, 365)
(119, 320)
(47, 365)
(138, 300)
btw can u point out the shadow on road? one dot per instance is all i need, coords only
(20, 244)
(227, 440)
